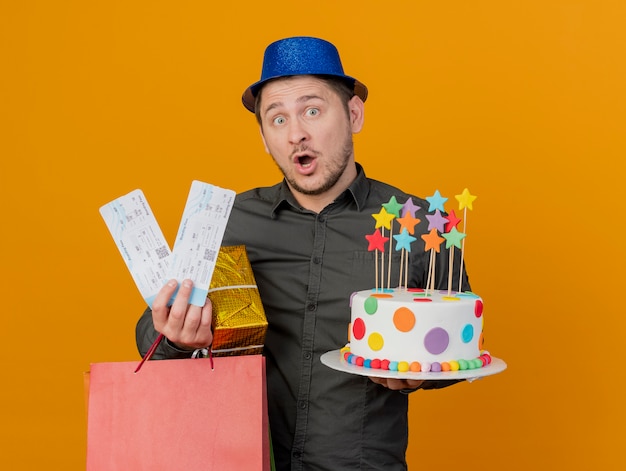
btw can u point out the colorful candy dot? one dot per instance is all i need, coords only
(358, 328)
(393, 366)
(445, 366)
(435, 366)
(367, 363)
(425, 367)
(436, 341)
(370, 305)
(478, 308)
(467, 334)
(383, 293)
(415, 366)
(454, 365)
(384, 364)
(376, 363)
(404, 319)
(375, 341)
(463, 365)
(403, 366)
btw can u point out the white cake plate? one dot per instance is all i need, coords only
(334, 360)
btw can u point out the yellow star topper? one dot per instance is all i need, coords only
(465, 199)
(383, 219)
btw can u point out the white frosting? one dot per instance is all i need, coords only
(398, 328)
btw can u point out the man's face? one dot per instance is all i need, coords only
(308, 131)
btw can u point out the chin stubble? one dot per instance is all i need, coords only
(331, 178)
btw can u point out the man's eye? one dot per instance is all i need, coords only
(312, 112)
(279, 120)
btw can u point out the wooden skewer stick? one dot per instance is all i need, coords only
(401, 268)
(463, 247)
(376, 268)
(389, 268)
(406, 272)
(450, 265)
(430, 271)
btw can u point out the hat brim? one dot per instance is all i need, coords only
(249, 95)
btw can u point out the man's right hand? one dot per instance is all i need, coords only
(186, 326)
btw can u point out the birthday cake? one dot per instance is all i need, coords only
(417, 329)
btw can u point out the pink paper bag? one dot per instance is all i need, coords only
(179, 415)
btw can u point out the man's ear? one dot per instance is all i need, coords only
(356, 110)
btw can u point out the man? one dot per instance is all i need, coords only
(305, 238)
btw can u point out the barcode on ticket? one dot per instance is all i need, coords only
(162, 252)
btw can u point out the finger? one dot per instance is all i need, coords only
(205, 333)
(197, 328)
(414, 383)
(398, 384)
(381, 381)
(395, 384)
(178, 311)
(160, 308)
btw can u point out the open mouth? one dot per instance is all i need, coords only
(304, 160)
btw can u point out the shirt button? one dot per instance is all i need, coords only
(311, 307)
(317, 260)
(296, 454)
(302, 405)
(307, 355)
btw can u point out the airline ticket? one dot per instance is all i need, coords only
(200, 236)
(140, 241)
(145, 251)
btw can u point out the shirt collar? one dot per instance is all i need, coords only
(358, 190)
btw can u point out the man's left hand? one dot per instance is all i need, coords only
(398, 384)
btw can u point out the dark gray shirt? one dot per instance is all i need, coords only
(306, 266)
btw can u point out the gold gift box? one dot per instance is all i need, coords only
(239, 322)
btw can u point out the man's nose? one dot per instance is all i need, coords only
(297, 132)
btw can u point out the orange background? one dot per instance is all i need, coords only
(522, 102)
